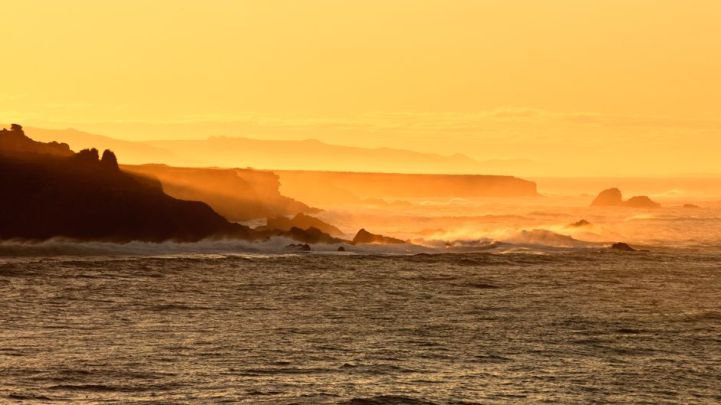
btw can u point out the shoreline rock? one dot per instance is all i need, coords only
(621, 246)
(365, 237)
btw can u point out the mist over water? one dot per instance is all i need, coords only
(547, 221)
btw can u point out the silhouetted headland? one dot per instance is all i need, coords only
(48, 191)
(236, 194)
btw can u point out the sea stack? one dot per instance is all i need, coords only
(613, 197)
(608, 198)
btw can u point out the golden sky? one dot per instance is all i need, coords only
(635, 82)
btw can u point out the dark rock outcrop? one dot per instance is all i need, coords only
(624, 247)
(301, 221)
(58, 197)
(365, 237)
(14, 141)
(49, 191)
(109, 160)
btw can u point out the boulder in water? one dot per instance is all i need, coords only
(625, 247)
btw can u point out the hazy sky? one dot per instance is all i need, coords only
(634, 84)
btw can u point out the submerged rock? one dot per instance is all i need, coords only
(625, 247)
(341, 249)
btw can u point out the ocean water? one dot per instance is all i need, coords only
(196, 324)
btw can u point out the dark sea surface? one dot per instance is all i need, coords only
(569, 326)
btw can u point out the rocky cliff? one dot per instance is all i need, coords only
(344, 187)
(236, 194)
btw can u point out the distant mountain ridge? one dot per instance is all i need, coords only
(310, 154)
(132, 152)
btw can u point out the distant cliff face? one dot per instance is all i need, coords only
(319, 188)
(237, 194)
